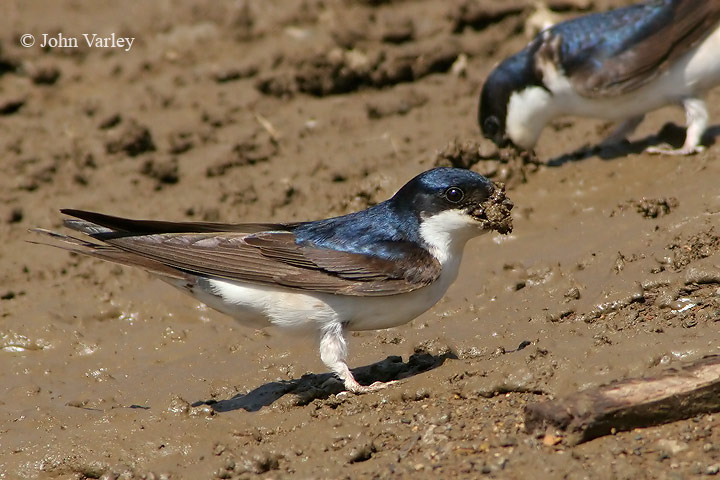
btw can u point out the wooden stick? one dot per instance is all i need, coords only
(623, 405)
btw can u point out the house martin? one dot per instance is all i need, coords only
(617, 65)
(373, 269)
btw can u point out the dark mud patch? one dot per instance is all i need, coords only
(165, 171)
(479, 15)
(131, 138)
(399, 104)
(258, 148)
(686, 249)
(11, 105)
(342, 71)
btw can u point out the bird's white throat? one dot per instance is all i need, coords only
(528, 112)
(446, 233)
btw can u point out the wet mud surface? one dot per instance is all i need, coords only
(285, 111)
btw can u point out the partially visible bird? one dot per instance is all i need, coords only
(373, 269)
(617, 65)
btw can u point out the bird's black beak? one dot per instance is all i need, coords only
(517, 148)
(502, 141)
(499, 139)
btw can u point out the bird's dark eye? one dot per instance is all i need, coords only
(454, 195)
(491, 126)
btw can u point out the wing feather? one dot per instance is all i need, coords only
(251, 253)
(618, 52)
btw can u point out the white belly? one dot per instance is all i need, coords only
(259, 306)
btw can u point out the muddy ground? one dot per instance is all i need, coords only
(283, 111)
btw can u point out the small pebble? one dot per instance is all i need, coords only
(550, 440)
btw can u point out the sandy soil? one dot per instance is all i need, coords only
(282, 111)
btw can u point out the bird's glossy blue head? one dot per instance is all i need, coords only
(451, 206)
(442, 189)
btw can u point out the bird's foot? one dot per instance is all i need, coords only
(668, 150)
(357, 389)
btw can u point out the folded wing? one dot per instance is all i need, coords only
(616, 53)
(264, 254)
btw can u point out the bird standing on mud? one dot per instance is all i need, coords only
(617, 65)
(373, 269)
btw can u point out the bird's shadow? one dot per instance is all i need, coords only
(670, 133)
(311, 387)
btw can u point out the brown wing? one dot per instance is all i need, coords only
(413, 268)
(612, 67)
(266, 258)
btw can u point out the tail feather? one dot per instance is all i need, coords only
(62, 237)
(83, 226)
(128, 227)
(107, 252)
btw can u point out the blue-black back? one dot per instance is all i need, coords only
(597, 37)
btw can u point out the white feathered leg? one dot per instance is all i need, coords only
(333, 353)
(697, 119)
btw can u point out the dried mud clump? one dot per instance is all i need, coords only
(697, 246)
(399, 104)
(494, 213)
(232, 73)
(43, 74)
(15, 216)
(398, 30)
(134, 140)
(256, 149)
(656, 207)
(413, 62)
(485, 159)
(463, 154)
(336, 72)
(342, 71)
(649, 207)
(11, 105)
(480, 15)
(164, 171)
